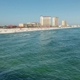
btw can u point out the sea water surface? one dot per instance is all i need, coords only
(40, 55)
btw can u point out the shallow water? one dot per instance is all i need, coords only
(40, 55)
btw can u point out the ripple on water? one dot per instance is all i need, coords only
(40, 55)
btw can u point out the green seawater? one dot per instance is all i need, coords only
(40, 55)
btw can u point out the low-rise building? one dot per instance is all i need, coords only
(33, 24)
(21, 25)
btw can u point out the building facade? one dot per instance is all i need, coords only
(55, 22)
(21, 25)
(32, 25)
(64, 24)
(45, 21)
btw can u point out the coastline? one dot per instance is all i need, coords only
(17, 30)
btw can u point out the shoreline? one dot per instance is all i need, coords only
(17, 30)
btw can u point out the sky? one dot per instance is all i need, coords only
(24, 11)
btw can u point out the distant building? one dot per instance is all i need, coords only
(45, 20)
(68, 25)
(33, 24)
(25, 25)
(64, 24)
(36, 24)
(21, 25)
(29, 25)
(55, 22)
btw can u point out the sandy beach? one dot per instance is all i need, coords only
(16, 30)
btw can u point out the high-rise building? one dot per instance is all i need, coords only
(55, 22)
(45, 20)
(64, 24)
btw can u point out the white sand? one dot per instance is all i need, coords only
(15, 30)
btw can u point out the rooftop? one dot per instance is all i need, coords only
(45, 16)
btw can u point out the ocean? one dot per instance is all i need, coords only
(40, 55)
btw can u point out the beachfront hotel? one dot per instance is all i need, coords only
(64, 24)
(55, 22)
(45, 21)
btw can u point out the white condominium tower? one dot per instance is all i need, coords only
(55, 22)
(45, 20)
(64, 24)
